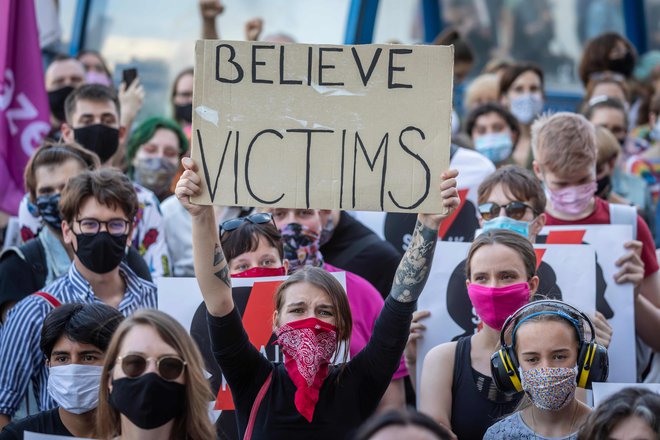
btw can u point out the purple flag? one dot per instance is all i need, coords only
(24, 112)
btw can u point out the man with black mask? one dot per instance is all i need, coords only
(97, 209)
(63, 75)
(93, 121)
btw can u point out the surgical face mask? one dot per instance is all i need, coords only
(572, 200)
(49, 210)
(504, 222)
(550, 389)
(99, 138)
(526, 107)
(56, 100)
(155, 173)
(495, 146)
(183, 112)
(75, 387)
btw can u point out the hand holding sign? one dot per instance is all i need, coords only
(631, 265)
(189, 186)
(450, 201)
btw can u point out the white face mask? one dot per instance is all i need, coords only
(526, 107)
(75, 387)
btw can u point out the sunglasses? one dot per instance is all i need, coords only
(169, 367)
(258, 218)
(514, 210)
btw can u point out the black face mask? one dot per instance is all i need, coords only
(148, 401)
(624, 65)
(56, 100)
(183, 112)
(49, 210)
(604, 187)
(99, 138)
(102, 252)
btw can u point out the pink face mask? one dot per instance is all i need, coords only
(495, 304)
(92, 77)
(573, 199)
(259, 272)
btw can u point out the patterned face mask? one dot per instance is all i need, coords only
(550, 388)
(301, 246)
(308, 345)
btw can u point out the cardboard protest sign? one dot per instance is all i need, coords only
(615, 301)
(603, 390)
(565, 273)
(318, 126)
(253, 297)
(397, 228)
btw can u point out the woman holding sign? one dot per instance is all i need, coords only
(307, 396)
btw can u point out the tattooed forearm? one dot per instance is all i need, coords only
(415, 265)
(219, 258)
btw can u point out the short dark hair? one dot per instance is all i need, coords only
(51, 153)
(512, 72)
(109, 187)
(462, 50)
(596, 54)
(246, 239)
(92, 324)
(89, 92)
(401, 417)
(491, 107)
(631, 401)
(518, 182)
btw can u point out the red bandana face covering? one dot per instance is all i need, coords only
(308, 346)
(259, 272)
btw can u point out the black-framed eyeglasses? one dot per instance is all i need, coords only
(258, 218)
(514, 210)
(169, 366)
(115, 226)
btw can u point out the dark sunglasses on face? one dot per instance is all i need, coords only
(169, 367)
(514, 210)
(258, 218)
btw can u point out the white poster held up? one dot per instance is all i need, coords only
(615, 301)
(603, 390)
(564, 273)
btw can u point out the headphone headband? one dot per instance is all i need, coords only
(561, 306)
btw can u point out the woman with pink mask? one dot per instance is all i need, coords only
(307, 396)
(457, 389)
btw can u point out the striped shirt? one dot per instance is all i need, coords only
(21, 358)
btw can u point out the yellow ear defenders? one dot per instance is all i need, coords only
(592, 363)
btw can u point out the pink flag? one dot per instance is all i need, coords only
(24, 112)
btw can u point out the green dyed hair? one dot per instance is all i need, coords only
(146, 130)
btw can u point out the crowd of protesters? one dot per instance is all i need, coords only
(107, 213)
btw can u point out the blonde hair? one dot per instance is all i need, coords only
(194, 424)
(608, 146)
(564, 142)
(487, 83)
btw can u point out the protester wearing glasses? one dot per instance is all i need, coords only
(153, 384)
(97, 209)
(307, 397)
(74, 339)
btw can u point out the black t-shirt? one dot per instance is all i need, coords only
(46, 422)
(356, 248)
(346, 398)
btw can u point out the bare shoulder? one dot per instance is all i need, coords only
(441, 356)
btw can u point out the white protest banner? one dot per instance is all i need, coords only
(615, 301)
(603, 390)
(318, 126)
(565, 272)
(27, 435)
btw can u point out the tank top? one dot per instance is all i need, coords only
(476, 403)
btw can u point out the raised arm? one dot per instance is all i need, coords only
(211, 268)
(413, 271)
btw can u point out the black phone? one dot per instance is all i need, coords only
(129, 76)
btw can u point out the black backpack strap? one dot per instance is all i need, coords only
(32, 253)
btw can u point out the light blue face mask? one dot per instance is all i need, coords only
(495, 146)
(504, 222)
(526, 107)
